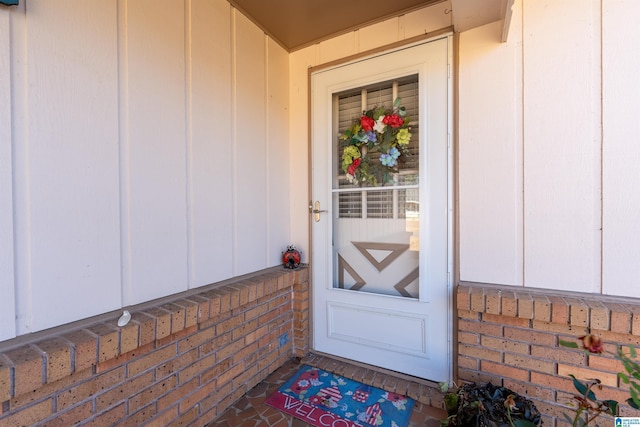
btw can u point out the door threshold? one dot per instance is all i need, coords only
(421, 390)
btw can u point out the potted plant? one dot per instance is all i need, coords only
(486, 405)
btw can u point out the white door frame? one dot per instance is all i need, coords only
(447, 376)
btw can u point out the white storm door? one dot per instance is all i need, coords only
(381, 246)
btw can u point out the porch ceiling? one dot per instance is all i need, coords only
(299, 23)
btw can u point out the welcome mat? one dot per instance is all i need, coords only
(323, 399)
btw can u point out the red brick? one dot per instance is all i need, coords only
(509, 304)
(163, 321)
(111, 417)
(28, 368)
(529, 336)
(30, 415)
(525, 388)
(525, 306)
(146, 327)
(174, 364)
(244, 329)
(552, 381)
(504, 371)
(89, 388)
(559, 310)
(541, 308)
(129, 337)
(152, 393)
(195, 340)
(72, 416)
(191, 311)
(480, 353)
(526, 362)
(557, 354)
(620, 318)
(177, 394)
(204, 305)
(57, 354)
(506, 320)
(151, 360)
(122, 391)
(494, 330)
(108, 340)
(599, 317)
(585, 373)
(605, 364)
(177, 316)
(140, 417)
(493, 299)
(468, 338)
(504, 345)
(194, 398)
(5, 379)
(463, 298)
(578, 312)
(477, 300)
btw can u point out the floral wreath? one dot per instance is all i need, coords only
(377, 130)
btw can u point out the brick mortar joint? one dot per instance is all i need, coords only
(476, 299)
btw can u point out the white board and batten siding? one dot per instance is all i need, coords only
(131, 166)
(621, 147)
(548, 174)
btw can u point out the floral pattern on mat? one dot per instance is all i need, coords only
(324, 399)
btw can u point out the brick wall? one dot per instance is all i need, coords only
(181, 362)
(510, 338)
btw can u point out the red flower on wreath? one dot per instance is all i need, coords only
(393, 120)
(353, 167)
(367, 123)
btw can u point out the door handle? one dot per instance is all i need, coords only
(315, 209)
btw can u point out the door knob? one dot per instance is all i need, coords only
(316, 211)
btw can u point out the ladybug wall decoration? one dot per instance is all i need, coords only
(291, 257)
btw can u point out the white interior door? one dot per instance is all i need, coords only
(381, 231)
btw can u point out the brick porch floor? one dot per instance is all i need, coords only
(250, 410)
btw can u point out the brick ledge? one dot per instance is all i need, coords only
(597, 312)
(102, 344)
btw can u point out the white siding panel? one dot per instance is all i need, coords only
(7, 278)
(426, 20)
(157, 240)
(73, 173)
(299, 63)
(250, 173)
(490, 156)
(380, 34)
(562, 145)
(337, 47)
(621, 150)
(278, 232)
(211, 144)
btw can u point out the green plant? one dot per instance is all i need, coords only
(589, 407)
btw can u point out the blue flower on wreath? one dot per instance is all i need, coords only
(390, 159)
(371, 136)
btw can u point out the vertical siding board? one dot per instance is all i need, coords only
(250, 174)
(621, 151)
(278, 152)
(490, 156)
(72, 160)
(7, 278)
(562, 145)
(157, 149)
(211, 144)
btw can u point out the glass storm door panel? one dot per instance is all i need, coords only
(381, 210)
(376, 229)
